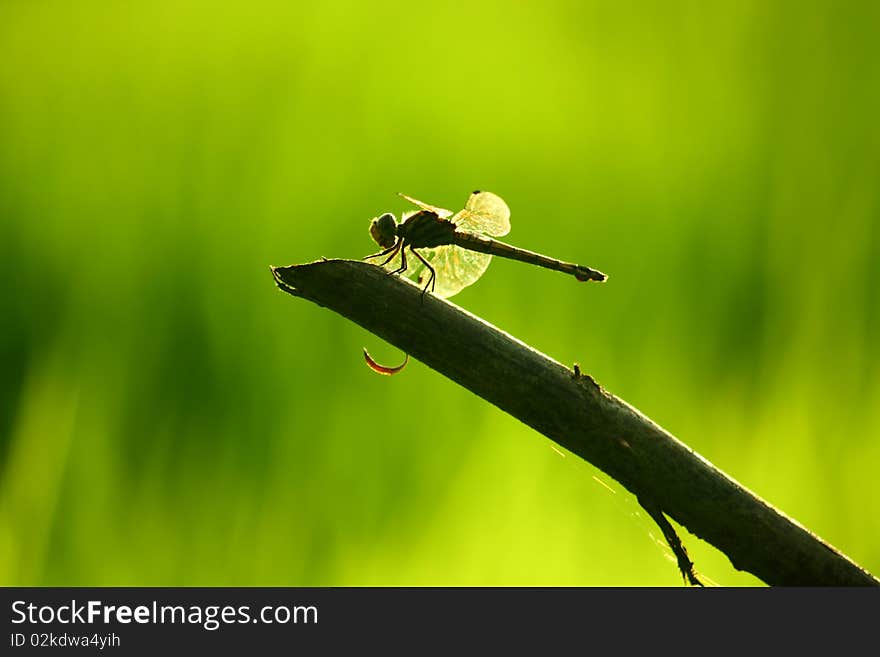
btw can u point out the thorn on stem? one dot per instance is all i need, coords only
(382, 369)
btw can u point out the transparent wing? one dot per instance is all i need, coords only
(440, 212)
(484, 212)
(456, 268)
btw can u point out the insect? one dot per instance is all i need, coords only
(454, 250)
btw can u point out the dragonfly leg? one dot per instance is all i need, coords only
(392, 250)
(430, 269)
(402, 267)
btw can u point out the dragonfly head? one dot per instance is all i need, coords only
(384, 230)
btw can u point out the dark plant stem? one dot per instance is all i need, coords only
(573, 410)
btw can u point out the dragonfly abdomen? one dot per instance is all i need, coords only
(483, 244)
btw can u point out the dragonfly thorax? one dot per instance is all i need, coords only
(384, 230)
(426, 230)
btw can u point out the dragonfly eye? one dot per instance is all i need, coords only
(384, 230)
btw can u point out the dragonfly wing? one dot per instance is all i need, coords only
(440, 212)
(456, 268)
(484, 212)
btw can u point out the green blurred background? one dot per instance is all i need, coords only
(168, 417)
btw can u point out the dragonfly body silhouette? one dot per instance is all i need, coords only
(455, 249)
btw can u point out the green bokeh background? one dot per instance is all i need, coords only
(168, 417)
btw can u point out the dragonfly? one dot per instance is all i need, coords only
(454, 249)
